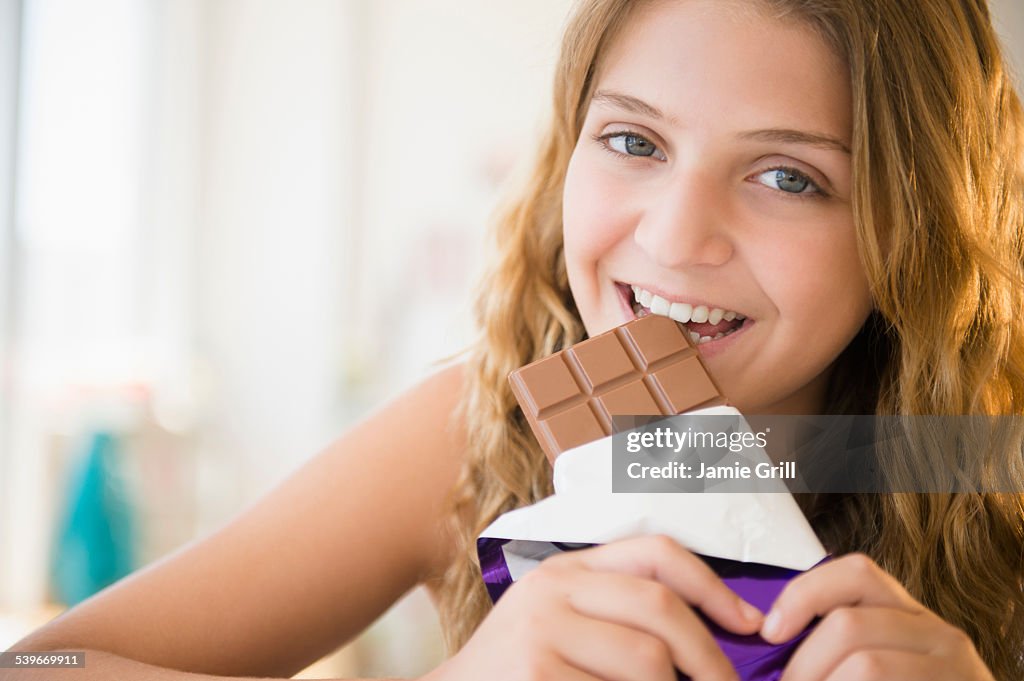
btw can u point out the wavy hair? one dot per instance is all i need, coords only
(937, 203)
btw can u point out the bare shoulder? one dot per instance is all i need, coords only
(409, 452)
(416, 446)
(306, 567)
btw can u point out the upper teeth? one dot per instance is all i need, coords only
(683, 312)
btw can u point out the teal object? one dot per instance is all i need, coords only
(95, 543)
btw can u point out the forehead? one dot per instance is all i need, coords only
(727, 62)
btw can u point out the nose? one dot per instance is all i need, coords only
(685, 225)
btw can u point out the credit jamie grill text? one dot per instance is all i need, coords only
(735, 471)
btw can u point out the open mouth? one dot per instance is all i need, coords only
(706, 324)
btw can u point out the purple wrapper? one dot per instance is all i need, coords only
(754, 658)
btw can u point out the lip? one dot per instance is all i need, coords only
(626, 299)
(707, 350)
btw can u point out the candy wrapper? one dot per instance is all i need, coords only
(756, 542)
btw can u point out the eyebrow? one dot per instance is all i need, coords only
(797, 137)
(782, 135)
(634, 105)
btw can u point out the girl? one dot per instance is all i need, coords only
(843, 176)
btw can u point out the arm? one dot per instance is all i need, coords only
(300, 572)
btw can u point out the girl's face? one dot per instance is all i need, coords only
(712, 177)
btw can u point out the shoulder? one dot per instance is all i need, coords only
(414, 447)
(431, 404)
(426, 417)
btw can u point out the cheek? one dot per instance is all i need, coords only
(818, 285)
(595, 213)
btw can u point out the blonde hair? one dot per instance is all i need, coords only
(937, 200)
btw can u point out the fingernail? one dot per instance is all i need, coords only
(750, 612)
(772, 625)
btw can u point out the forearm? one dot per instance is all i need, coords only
(103, 666)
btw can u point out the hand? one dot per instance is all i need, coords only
(872, 629)
(618, 612)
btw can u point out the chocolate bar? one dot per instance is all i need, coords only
(646, 367)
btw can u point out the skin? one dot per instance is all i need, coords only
(281, 584)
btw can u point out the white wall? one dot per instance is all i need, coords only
(346, 155)
(276, 107)
(10, 24)
(1008, 19)
(456, 94)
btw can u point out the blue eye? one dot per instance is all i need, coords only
(633, 145)
(628, 143)
(789, 180)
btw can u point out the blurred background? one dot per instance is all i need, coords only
(229, 229)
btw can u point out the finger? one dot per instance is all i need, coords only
(651, 607)
(661, 558)
(851, 580)
(845, 631)
(618, 653)
(885, 665)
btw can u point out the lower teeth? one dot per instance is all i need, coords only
(700, 340)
